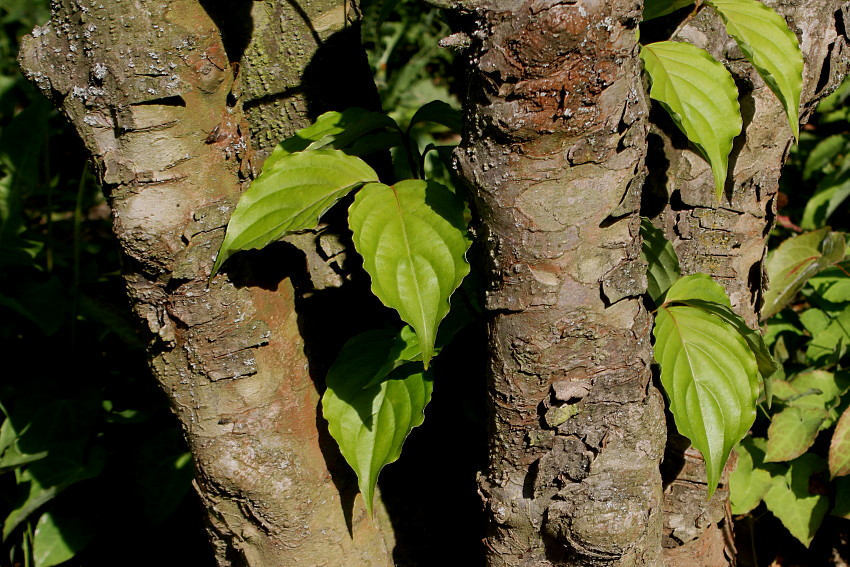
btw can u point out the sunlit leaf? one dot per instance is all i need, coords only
(800, 511)
(700, 96)
(751, 478)
(839, 447)
(370, 423)
(792, 431)
(662, 262)
(795, 261)
(770, 46)
(710, 376)
(291, 196)
(832, 284)
(413, 240)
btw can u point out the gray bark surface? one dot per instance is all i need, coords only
(157, 97)
(553, 154)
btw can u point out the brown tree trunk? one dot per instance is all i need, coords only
(160, 102)
(553, 152)
(728, 239)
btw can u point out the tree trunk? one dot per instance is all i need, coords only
(160, 102)
(727, 240)
(553, 152)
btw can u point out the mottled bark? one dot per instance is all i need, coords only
(157, 97)
(728, 239)
(553, 153)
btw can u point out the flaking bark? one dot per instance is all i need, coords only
(553, 153)
(157, 97)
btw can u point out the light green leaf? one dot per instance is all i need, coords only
(795, 261)
(370, 423)
(751, 478)
(341, 131)
(413, 240)
(829, 343)
(291, 196)
(839, 447)
(770, 46)
(700, 96)
(662, 263)
(792, 431)
(59, 538)
(656, 8)
(822, 389)
(710, 376)
(790, 500)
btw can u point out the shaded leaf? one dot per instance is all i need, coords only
(823, 154)
(438, 112)
(800, 511)
(164, 474)
(700, 96)
(662, 263)
(829, 343)
(291, 196)
(341, 131)
(832, 191)
(770, 46)
(794, 262)
(656, 8)
(371, 423)
(832, 284)
(842, 497)
(58, 538)
(710, 376)
(413, 240)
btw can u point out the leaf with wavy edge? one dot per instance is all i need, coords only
(700, 96)
(291, 196)
(800, 511)
(413, 240)
(709, 373)
(772, 48)
(371, 422)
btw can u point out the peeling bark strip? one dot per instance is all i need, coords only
(156, 98)
(554, 154)
(727, 240)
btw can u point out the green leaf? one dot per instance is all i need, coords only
(370, 423)
(832, 284)
(839, 447)
(824, 153)
(291, 196)
(656, 8)
(700, 96)
(792, 431)
(795, 261)
(438, 112)
(710, 376)
(751, 478)
(341, 131)
(842, 497)
(800, 511)
(828, 343)
(832, 191)
(770, 46)
(413, 240)
(662, 263)
(822, 389)
(58, 538)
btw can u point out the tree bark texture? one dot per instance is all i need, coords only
(728, 239)
(553, 153)
(164, 108)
